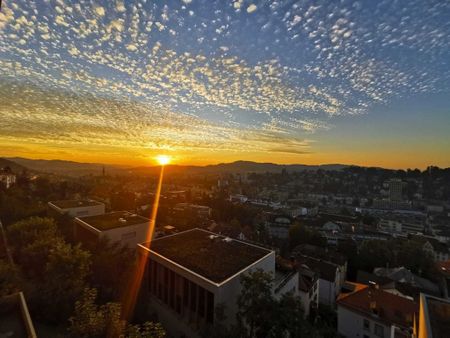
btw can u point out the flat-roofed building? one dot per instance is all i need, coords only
(434, 317)
(119, 226)
(15, 320)
(192, 272)
(78, 208)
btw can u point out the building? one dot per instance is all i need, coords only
(329, 275)
(278, 226)
(395, 190)
(371, 312)
(402, 223)
(119, 226)
(308, 289)
(77, 208)
(434, 317)
(15, 320)
(325, 254)
(7, 178)
(192, 272)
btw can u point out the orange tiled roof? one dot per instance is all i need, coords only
(387, 307)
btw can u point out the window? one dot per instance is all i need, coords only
(366, 324)
(379, 331)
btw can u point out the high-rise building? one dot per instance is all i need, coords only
(395, 190)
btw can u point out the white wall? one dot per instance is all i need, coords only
(91, 210)
(351, 325)
(327, 292)
(129, 236)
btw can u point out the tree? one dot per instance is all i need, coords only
(300, 234)
(289, 317)
(24, 232)
(255, 304)
(9, 278)
(91, 320)
(54, 271)
(66, 271)
(111, 266)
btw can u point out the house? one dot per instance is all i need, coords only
(437, 249)
(434, 317)
(325, 254)
(119, 226)
(328, 274)
(192, 272)
(278, 226)
(77, 208)
(15, 320)
(308, 289)
(7, 177)
(371, 312)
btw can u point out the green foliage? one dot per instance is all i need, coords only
(24, 232)
(393, 253)
(91, 321)
(255, 304)
(66, 270)
(9, 278)
(300, 234)
(54, 272)
(261, 315)
(111, 266)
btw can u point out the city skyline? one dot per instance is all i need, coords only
(206, 82)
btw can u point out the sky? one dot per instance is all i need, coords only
(204, 81)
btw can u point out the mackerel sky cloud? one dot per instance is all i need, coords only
(255, 77)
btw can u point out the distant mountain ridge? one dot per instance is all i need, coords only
(62, 167)
(14, 166)
(71, 168)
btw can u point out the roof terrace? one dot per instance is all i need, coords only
(68, 204)
(213, 257)
(113, 220)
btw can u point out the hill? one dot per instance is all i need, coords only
(67, 168)
(71, 168)
(15, 167)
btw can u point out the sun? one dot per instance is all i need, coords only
(163, 159)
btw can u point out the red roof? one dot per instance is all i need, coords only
(387, 307)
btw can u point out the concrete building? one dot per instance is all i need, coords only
(434, 317)
(278, 226)
(308, 289)
(371, 312)
(191, 273)
(15, 320)
(330, 277)
(77, 208)
(395, 190)
(119, 226)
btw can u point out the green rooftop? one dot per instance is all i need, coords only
(112, 220)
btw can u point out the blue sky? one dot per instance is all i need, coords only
(211, 81)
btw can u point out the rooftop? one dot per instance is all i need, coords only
(112, 220)
(438, 316)
(387, 307)
(67, 204)
(325, 270)
(209, 255)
